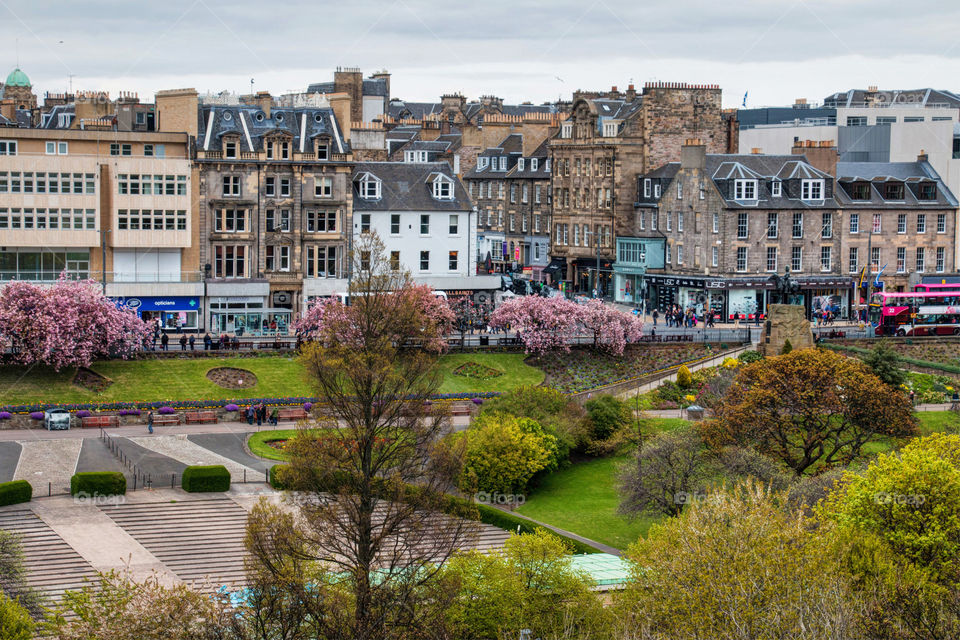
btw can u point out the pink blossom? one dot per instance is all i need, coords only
(68, 324)
(542, 324)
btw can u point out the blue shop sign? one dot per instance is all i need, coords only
(154, 303)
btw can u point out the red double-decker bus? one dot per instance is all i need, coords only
(916, 313)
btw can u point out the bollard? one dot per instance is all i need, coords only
(244, 476)
(173, 479)
(49, 489)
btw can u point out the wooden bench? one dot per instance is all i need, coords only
(199, 417)
(292, 414)
(160, 419)
(99, 421)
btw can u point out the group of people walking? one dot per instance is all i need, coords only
(258, 412)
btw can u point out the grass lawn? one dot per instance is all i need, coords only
(939, 422)
(176, 379)
(583, 498)
(257, 443)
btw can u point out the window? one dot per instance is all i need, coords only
(886, 119)
(609, 129)
(921, 223)
(646, 187)
(927, 191)
(395, 261)
(854, 259)
(230, 220)
(8, 147)
(773, 225)
(703, 192)
(679, 190)
(321, 262)
(775, 188)
(811, 190)
(284, 187)
(323, 187)
(536, 194)
(534, 164)
(642, 220)
(941, 259)
(229, 261)
(231, 185)
(772, 259)
(365, 260)
(452, 261)
(500, 192)
(51, 148)
(913, 118)
(854, 223)
(826, 258)
(656, 190)
(875, 259)
(796, 259)
(920, 260)
(513, 193)
(321, 221)
(271, 149)
(394, 224)
(679, 254)
(270, 186)
(716, 222)
(536, 223)
(827, 227)
(941, 223)
(147, 149)
(856, 121)
(323, 149)
(369, 187)
(126, 149)
(576, 235)
(277, 258)
(523, 223)
(901, 223)
(669, 254)
(566, 129)
(860, 191)
(670, 220)
(680, 221)
(512, 218)
(716, 256)
(893, 191)
(424, 261)
(741, 225)
(364, 223)
(524, 193)
(424, 224)
(654, 220)
(741, 258)
(901, 259)
(744, 189)
(442, 188)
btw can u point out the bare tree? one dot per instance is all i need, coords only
(373, 471)
(667, 473)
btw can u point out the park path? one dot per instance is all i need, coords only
(587, 541)
(47, 464)
(179, 448)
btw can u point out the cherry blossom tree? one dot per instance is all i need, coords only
(68, 324)
(542, 324)
(611, 329)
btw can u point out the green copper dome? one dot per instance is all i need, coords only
(17, 78)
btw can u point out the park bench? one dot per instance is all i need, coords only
(160, 419)
(461, 409)
(199, 417)
(99, 421)
(297, 413)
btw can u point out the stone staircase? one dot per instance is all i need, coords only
(52, 565)
(199, 540)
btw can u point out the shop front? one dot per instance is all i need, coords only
(175, 313)
(587, 278)
(247, 316)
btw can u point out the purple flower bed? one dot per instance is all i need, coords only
(83, 413)
(231, 407)
(129, 412)
(165, 411)
(36, 415)
(307, 406)
(5, 415)
(478, 401)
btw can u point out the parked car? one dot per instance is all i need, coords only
(56, 419)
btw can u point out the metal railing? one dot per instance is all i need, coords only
(141, 479)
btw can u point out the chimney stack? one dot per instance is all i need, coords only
(693, 154)
(822, 154)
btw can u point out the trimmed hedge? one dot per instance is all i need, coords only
(98, 483)
(15, 492)
(206, 478)
(273, 480)
(929, 364)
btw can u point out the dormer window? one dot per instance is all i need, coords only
(860, 191)
(927, 191)
(776, 189)
(647, 187)
(520, 164)
(609, 129)
(415, 156)
(744, 189)
(271, 149)
(230, 149)
(442, 188)
(369, 186)
(503, 163)
(482, 163)
(323, 149)
(534, 164)
(284, 150)
(811, 190)
(566, 130)
(546, 165)
(893, 191)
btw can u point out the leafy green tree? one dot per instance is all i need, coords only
(15, 621)
(736, 565)
(530, 584)
(503, 453)
(808, 409)
(608, 414)
(684, 377)
(787, 347)
(885, 363)
(555, 411)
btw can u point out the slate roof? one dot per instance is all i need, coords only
(856, 97)
(878, 173)
(407, 186)
(51, 119)
(402, 109)
(251, 124)
(371, 87)
(512, 147)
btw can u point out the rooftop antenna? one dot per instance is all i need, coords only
(251, 86)
(71, 83)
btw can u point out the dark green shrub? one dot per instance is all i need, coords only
(557, 414)
(750, 356)
(608, 414)
(15, 492)
(885, 364)
(202, 479)
(787, 347)
(275, 476)
(98, 483)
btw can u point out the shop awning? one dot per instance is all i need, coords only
(556, 264)
(591, 263)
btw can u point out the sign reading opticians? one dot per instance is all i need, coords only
(154, 303)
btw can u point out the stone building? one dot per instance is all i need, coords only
(510, 185)
(605, 142)
(18, 103)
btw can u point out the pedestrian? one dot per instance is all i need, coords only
(912, 398)
(192, 341)
(656, 314)
(236, 343)
(164, 340)
(183, 343)
(250, 415)
(261, 414)
(736, 319)
(150, 422)
(275, 416)
(207, 341)
(756, 317)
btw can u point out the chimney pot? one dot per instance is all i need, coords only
(756, 151)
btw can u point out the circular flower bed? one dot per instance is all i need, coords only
(476, 371)
(230, 378)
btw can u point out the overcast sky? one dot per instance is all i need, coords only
(777, 50)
